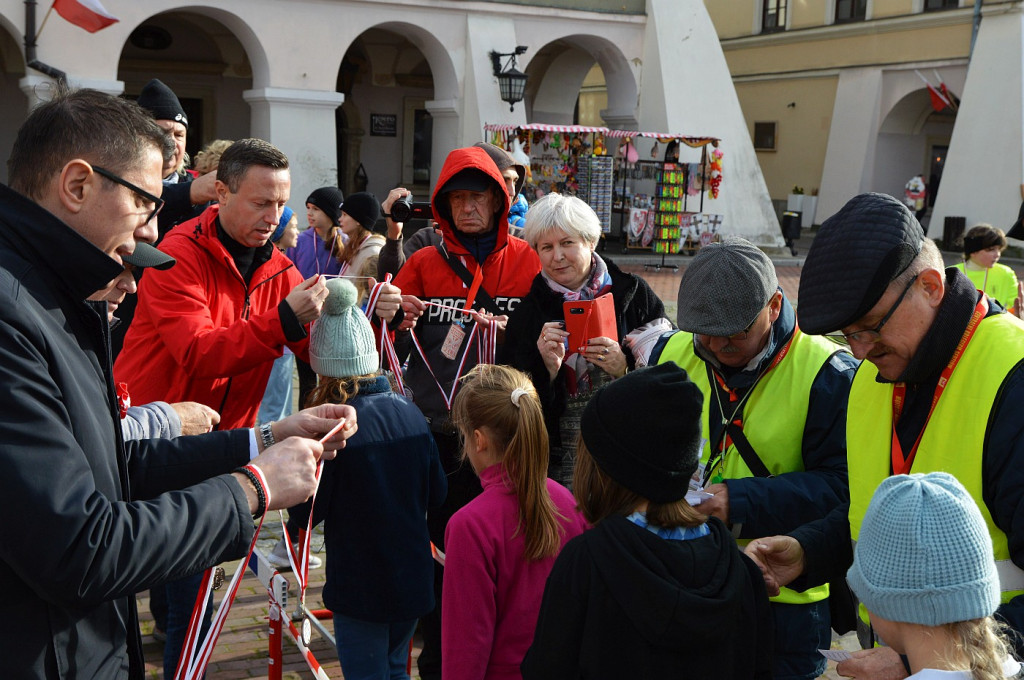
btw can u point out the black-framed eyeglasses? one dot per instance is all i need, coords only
(873, 335)
(158, 203)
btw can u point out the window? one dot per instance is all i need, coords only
(932, 5)
(851, 10)
(773, 16)
(764, 136)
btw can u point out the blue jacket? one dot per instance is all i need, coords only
(768, 506)
(373, 499)
(312, 256)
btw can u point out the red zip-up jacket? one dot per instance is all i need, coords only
(200, 334)
(508, 272)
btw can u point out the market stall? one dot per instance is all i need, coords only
(659, 203)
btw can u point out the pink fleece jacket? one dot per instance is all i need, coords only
(492, 594)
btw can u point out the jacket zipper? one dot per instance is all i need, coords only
(245, 315)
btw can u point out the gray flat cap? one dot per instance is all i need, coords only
(725, 288)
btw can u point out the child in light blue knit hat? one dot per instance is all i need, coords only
(923, 568)
(374, 499)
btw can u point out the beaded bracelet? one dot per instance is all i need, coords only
(258, 484)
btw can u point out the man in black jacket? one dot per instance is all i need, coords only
(98, 519)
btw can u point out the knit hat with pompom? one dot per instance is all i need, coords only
(341, 344)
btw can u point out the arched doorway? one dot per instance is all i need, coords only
(203, 62)
(912, 139)
(385, 130)
(581, 79)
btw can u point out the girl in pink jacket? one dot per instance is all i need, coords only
(502, 545)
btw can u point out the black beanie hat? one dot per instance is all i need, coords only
(329, 200)
(363, 207)
(160, 101)
(643, 430)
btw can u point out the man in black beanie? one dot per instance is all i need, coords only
(774, 417)
(183, 196)
(940, 389)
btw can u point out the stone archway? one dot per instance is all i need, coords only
(907, 140)
(393, 75)
(557, 73)
(203, 55)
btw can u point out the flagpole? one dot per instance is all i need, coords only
(48, 13)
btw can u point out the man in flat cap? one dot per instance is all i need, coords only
(775, 418)
(940, 389)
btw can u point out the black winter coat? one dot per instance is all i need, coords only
(622, 602)
(87, 522)
(635, 305)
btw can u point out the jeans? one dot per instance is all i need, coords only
(181, 599)
(373, 651)
(800, 631)
(277, 399)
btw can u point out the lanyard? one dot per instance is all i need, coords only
(901, 464)
(725, 441)
(478, 278)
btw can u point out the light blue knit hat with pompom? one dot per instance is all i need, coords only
(341, 344)
(924, 554)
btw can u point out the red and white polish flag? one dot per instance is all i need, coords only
(88, 14)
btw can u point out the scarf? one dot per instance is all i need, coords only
(597, 284)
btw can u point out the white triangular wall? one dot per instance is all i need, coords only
(686, 88)
(984, 167)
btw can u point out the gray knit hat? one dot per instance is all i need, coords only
(341, 344)
(725, 287)
(924, 554)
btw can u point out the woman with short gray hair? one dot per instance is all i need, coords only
(565, 232)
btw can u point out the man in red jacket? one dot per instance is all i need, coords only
(209, 329)
(478, 266)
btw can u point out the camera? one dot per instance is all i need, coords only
(404, 209)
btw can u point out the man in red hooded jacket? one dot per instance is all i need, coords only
(479, 265)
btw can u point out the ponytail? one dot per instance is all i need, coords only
(503, 401)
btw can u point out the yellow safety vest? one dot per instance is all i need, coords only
(999, 282)
(955, 431)
(773, 416)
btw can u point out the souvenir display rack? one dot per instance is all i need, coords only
(596, 180)
(572, 159)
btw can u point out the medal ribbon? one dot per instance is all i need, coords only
(448, 397)
(901, 464)
(387, 345)
(192, 664)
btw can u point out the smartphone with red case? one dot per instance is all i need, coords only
(587, 319)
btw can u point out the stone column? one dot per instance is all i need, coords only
(302, 124)
(445, 116)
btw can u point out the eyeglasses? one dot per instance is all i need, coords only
(873, 335)
(742, 335)
(158, 203)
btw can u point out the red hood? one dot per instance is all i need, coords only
(458, 160)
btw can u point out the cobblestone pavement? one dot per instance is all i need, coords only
(242, 650)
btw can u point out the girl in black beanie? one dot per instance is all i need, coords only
(655, 589)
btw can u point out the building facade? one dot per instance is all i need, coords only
(374, 93)
(835, 99)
